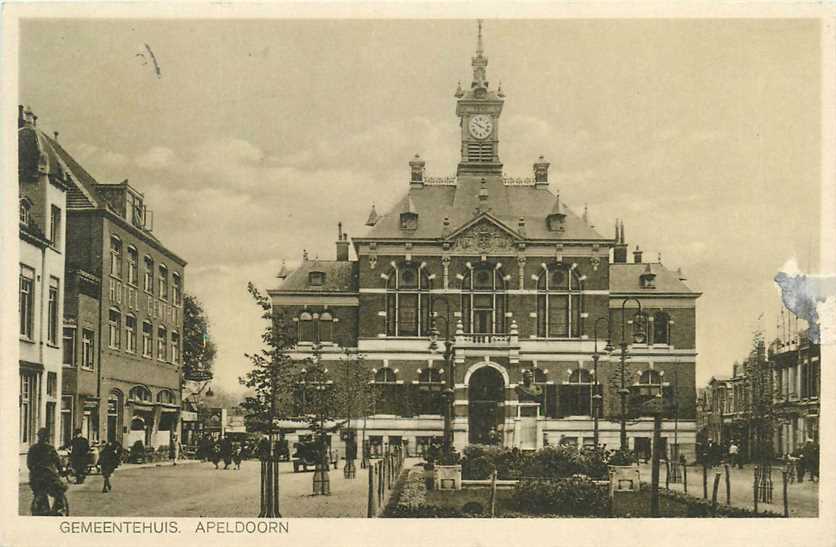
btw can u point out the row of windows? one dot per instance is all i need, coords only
(130, 342)
(143, 394)
(26, 306)
(148, 272)
(560, 303)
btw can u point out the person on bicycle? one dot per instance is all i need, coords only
(45, 469)
(79, 455)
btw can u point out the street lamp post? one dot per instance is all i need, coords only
(349, 471)
(623, 392)
(449, 392)
(596, 397)
(270, 466)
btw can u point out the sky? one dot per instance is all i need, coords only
(251, 139)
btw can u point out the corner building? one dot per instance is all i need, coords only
(123, 317)
(526, 284)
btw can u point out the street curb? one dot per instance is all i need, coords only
(135, 466)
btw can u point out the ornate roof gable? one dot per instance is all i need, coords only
(483, 234)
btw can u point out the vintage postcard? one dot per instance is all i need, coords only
(475, 275)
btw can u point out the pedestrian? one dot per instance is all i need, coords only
(733, 459)
(237, 455)
(79, 455)
(108, 462)
(801, 464)
(335, 457)
(174, 448)
(45, 471)
(215, 453)
(226, 451)
(811, 458)
(204, 448)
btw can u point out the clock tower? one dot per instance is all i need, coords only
(478, 109)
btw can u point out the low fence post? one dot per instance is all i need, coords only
(714, 492)
(493, 493)
(786, 501)
(371, 512)
(685, 477)
(667, 475)
(755, 488)
(728, 485)
(704, 482)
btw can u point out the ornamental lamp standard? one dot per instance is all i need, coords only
(449, 391)
(638, 338)
(596, 397)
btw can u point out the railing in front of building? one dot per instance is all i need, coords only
(480, 339)
(451, 181)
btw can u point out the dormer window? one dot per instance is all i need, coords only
(409, 221)
(647, 280)
(316, 279)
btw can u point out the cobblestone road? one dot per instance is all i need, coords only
(199, 490)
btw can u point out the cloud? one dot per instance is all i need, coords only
(107, 159)
(155, 158)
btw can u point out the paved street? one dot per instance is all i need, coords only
(198, 490)
(803, 497)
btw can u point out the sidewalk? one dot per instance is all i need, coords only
(803, 498)
(24, 472)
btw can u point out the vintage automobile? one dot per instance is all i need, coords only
(306, 455)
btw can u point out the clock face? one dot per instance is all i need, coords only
(481, 126)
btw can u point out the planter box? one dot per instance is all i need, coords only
(624, 478)
(447, 477)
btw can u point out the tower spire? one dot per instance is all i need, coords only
(479, 62)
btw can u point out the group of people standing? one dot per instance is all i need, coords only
(800, 462)
(224, 449)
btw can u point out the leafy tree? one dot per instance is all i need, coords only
(198, 348)
(271, 378)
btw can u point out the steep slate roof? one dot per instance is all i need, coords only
(624, 278)
(82, 194)
(458, 203)
(340, 276)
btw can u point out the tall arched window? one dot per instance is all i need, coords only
(661, 328)
(386, 391)
(559, 302)
(165, 396)
(114, 415)
(576, 394)
(639, 328)
(306, 327)
(407, 300)
(325, 327)
(430, 387)
(483, 299)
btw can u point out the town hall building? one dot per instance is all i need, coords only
(528, 293)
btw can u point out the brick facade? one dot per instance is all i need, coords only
(524, 281)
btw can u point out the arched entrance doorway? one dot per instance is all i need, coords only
(486, 389)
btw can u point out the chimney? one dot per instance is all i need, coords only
(55, 135)
(20, 119)
(416, 167)
(541, 172)
(342, 244)
(637, 255)
(620, 249)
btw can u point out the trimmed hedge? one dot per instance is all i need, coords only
(573, 497)
(554, 462)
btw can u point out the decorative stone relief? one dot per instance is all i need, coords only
(521, 270)
(372, 261)
(445, 263)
